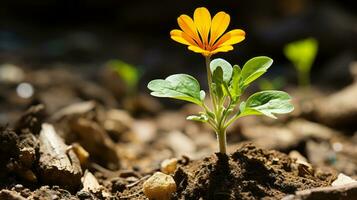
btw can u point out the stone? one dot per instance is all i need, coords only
(169, 166)
(159, 186)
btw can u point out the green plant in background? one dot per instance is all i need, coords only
(226, 83)
(128, 73)
(271, 84)
(302, 54)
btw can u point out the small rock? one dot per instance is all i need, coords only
(348, 191)
(299, 158)
(18, 187)
(25, 192)
(342, 179)
(301, 163)
(144, 130)
(84, 194)
(180, 143)
(75, 109)
(275, 160)
(159, 186)
(90, 183)
(168, 166)
(118, 121)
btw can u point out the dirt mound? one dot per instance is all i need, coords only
(248, 173)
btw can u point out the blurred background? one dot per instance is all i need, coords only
(58, 52)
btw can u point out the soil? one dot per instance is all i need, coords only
(248, 173)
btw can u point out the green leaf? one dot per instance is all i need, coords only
(177, 86)
(218, 90)
(217, 76)
(246, 111)
(200, 118)
(234, 87)
(226, 68)
(302, 53)
(210, 114)
(254, 68)
(218, 83)
(268, 103)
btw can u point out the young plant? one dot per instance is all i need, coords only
(129, 95)
(302, 54)
(226, 83)
(128, 73)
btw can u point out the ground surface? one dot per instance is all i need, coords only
(75, 141)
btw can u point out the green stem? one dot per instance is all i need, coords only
(226, 112)
(222, 141)
(304, 78)
(231, 120)
(209, 79)
(217, 109)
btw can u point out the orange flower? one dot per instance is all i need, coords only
(205, 35)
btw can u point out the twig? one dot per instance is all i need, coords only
(138, 181)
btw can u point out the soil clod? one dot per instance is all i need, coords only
(248, 173)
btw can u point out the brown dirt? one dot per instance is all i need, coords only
(126, 149)
(248, 173)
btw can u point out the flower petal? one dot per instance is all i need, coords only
(222, 49)
(232, 37)
(197, 49)
(220, 23)
(181, 37)
(202, 20)
(188, 26)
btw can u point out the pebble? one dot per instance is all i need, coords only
(18, 187)
(168, 166)
(180, 143)
(343, 179)
(83, 194)
(159, 186)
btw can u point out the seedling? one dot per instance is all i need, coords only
(226, 83)
(128, 73)
(130, 76)
(302, 54)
